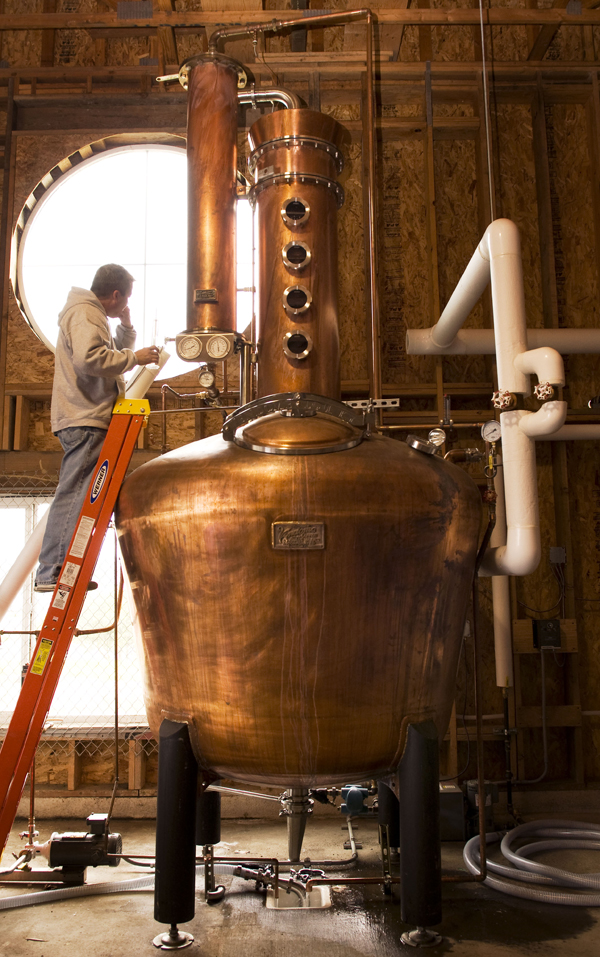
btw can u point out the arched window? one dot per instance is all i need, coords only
(115, 202)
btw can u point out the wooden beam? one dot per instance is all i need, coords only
(459, 16)
(166, 36)
(547, 33)
(48, 37)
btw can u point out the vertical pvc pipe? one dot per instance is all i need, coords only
(175, 883)
(420, 855)
(501, 595)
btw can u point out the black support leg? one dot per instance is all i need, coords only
(175, 884)
(420, 855)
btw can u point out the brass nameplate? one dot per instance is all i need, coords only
(298, 534)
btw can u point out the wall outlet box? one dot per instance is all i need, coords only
(546, 633)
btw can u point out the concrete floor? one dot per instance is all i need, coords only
(477, 920)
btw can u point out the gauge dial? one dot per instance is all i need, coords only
(217, 347)
(206, 378)
(491, 431)
(189, 347)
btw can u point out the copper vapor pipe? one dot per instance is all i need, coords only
(276, 26)
(212, 154)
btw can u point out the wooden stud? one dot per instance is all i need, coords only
(73, 765)
(21, 434)
(137, 764)
(48, 37)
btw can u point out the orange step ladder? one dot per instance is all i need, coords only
(26, 725)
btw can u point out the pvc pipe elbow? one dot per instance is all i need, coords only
(501, 238)
(545, 363)
(520, 556)
(548, 419)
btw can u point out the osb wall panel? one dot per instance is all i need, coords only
(403, 258)
(584, 472)
(574, 232)
(516, 194)
(351, 269)
(457, 238)
(455, 43)
(22, 48)
(506, 43)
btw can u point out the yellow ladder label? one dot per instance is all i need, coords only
(41, 659)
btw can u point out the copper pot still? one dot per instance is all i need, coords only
(300, 583)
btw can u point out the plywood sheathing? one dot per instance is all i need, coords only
(584, 471)
(22, 47)
(403, 258)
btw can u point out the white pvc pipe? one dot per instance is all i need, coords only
(480, 342)
(548, 419)
(522, 551)
(574, 432)
(501, 595)
(22, 568)
(545, 363)
(469, 288)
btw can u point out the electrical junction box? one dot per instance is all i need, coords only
(558, 555)
(452, 813)
(546, 632)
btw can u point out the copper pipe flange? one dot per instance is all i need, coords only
(298, 139)
(293, 177)
(188, 65)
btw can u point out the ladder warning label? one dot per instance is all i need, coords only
(40, 660)
(70, 573)
(60, 599)
(82, 537)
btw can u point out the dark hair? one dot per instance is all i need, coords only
(111, 277)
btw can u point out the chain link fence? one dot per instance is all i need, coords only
(101, 684)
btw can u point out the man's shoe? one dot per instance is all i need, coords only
(50, 586)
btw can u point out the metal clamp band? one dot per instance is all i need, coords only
(310, 178)
(296, 139)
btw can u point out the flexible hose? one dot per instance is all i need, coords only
(145, 883)
(562, 835)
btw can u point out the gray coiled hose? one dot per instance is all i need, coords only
(562, 835)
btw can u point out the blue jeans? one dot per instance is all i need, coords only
(82, 447)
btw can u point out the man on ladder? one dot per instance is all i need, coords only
(87, 380)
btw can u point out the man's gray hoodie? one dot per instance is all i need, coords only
(89, 363)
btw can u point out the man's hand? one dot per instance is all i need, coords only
(144, 357)
(125, 317)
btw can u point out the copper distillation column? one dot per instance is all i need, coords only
(295, 161)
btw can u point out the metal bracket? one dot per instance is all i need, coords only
(373, 403)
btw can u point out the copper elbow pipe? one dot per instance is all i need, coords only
(275, 26)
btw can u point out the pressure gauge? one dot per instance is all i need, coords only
(206, 378)
(491, 431)
(217, 347)
(189, 347)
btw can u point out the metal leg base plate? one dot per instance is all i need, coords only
(421, 937)
(172, 941)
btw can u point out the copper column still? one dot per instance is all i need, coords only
(300, 583)
(295, 160)
(212, 84)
